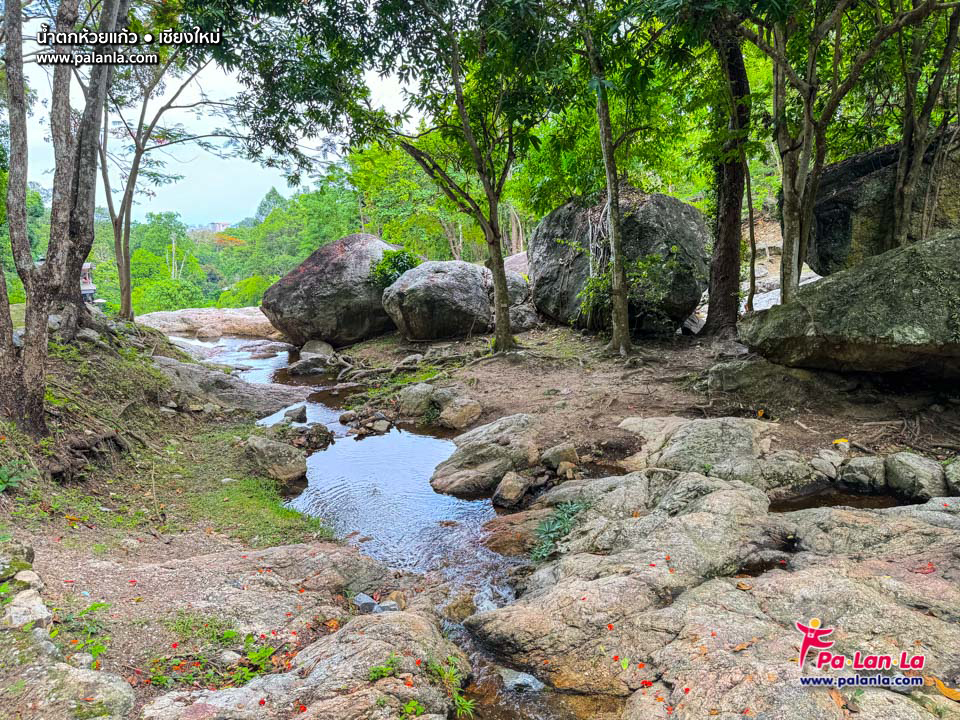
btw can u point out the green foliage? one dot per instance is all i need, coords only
(246, 293)
(648, 281)
(13, 473)
(555, 528)
(82, 631)
(191, 666)
(412, 709)
(389, 668)
(392, 265)
(451, 679)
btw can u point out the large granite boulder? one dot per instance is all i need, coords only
(331, 296)
(897, 311)
(854, 208)
(440, 300)
(449, 299)
(653, 225)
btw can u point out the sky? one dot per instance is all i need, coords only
(212, 189)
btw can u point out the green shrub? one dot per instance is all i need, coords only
(247, 292)
(392, 265)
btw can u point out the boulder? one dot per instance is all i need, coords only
(952, 475)
(653, 225)
(197, 382)
(317, 348)
(564, 452)
(212, 323)
(416, 400)
(894, 312)
(459, 412)
(915, 476)
(485, 454)
(278, 460)
(865, 474)
(511, 490)
(438, 300)
(331, 296)
(854, 208)
(517, 263)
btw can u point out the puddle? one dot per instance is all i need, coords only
(833, 497)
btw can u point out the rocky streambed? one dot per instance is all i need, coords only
(668, 586)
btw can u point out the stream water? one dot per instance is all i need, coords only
(375, 493)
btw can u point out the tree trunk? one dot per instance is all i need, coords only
(915, 136)
(620, 341)
(502, 334)
(724, 303)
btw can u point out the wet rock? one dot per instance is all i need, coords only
(212, 323)
(331, 296)
(313, 365)
(864, 473)
(440, 299)
(381, 426)
(296, 414)
(653, 225)
(514, 535)
(519, 681)
(276, 459)
(564, 452)
(208, 384)
(364, 603)
(348, 417)
(485, 454)
(566, 470)
(887, 314)
(460, 608)
(915, 476)
(511, 490)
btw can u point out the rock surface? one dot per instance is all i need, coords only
(854, 209)
(212, 323)
(915, 476)
(197, 382)
(652, 225)
(485, 454)
(331, 296)
(675, 590)
(440, 299)
(897, 311)
(450, 408)
(453, 299)
(278, 460)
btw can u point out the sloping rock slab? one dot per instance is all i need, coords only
(894, 312)
(212, 322)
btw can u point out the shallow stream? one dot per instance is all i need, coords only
(375, 492)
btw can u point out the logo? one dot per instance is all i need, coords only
(814, 638)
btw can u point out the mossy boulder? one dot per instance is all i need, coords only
(854, 208)
(895, 312)
(14, 557)
(663, 232)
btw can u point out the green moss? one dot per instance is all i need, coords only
(86, 711)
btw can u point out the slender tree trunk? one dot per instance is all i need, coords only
(502, 333)
(724, 302)
(620, 341)
(916, 137)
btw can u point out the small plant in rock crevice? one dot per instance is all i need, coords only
(451, 678)
(389, 668)
(554, 528)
